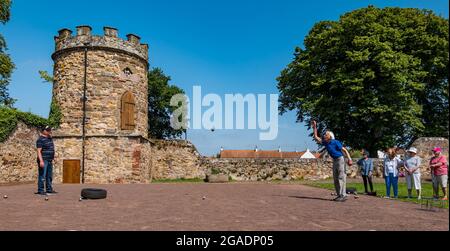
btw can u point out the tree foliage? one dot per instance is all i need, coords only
(6, 65)
(5, 6)
(55, 115)
(46, 77)
(160, 92)
(376, 77)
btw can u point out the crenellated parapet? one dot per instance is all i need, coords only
(66, 41)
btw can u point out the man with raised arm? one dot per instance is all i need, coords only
(337, 152)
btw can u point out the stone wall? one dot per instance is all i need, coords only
(176, 159)
(18, 156)
(107, 159)
(314, 169)
(280, 169)
(426, 145)
(136, 160)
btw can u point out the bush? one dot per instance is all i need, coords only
(9, 118)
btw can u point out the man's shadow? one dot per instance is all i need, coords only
(309, 198)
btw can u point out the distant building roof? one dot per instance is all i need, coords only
(308, 155)
(260, 154)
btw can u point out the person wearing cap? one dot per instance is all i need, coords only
(412, 172)
(45, 156)
(366, 165)
(439, 171)
(336, 150)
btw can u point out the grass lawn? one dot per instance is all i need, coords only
(380, 188)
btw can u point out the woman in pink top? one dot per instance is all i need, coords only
(439, 172)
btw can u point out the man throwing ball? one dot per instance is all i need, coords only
(336, 151)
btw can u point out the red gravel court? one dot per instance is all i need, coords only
(223, 207)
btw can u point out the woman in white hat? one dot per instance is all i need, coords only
(412, 167)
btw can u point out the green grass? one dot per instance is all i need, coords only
(196, 180)
(380, 188)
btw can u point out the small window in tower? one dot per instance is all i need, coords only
(127, 112)
(127, 72)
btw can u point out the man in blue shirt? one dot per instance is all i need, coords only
(336, 151)
(45, 156)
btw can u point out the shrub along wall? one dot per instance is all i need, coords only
(18, 134)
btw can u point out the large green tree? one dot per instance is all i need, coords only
(6, 65)
(160, 93)
(376, 77)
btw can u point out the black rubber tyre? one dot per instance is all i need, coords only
(93, 193)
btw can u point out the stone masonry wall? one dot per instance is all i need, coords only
(426, 145)
(18, 156)
(106, 84)
(107, 160)
(175, 160)
(315, 169)
(280, 169)
(135, 160)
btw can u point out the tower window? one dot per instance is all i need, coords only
(127, 72)
(127, 112)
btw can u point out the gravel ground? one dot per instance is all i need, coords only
(201, 206)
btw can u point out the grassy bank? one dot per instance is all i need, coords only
(380, 188)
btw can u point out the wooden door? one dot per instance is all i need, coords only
(71, 171)
(127, 112)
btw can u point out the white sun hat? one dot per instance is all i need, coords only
(412, 150)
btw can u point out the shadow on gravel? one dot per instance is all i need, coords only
(309, 198)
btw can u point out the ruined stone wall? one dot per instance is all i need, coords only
(426, 145)
(18, 156)
(135, 160)
(280, 169)
(175, 160)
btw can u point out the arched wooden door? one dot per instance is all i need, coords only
(127, 112)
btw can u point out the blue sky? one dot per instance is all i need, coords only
(233, 46)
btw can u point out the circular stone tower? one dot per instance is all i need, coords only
(100, 86)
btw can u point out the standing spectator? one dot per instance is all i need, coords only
(336, 151)
(412, 172)
(366, 165)
(439, 170)
(45, 156)
(391, 167)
